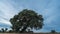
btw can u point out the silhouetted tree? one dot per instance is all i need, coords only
(10, 31)
(3, 30)
(0, 31)
(53, 31)
(26, 18)
(6, 29)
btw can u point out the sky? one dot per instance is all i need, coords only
(50, 9)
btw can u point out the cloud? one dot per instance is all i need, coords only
(7, 11)
(2, 20)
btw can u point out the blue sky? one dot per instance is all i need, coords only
(50, 9)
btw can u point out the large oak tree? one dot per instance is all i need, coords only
(26, 18)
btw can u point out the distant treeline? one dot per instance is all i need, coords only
(5, 30)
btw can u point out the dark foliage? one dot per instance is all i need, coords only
(53, 31)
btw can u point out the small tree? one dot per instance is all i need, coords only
(26, 18)
(0, 31)
(3, 30)
(53, 31)
(10, 31)
(6, 29)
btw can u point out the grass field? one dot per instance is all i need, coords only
(29, 33)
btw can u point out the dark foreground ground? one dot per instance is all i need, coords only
(29, 33)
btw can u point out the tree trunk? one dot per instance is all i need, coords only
(24, 29)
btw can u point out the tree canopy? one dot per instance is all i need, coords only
(26, 18)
